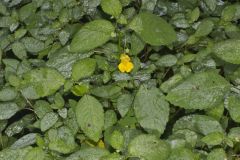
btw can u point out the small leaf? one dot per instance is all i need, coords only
(8, 94)
(7, 110)
(112, 7)
(83, 68)
(92, 35)
(124, 103)
(33, 45)
(117, 140)
(90, 117)
(19, 50)
(26, 140)
(48, 121)
(158, 33)
(232, 104)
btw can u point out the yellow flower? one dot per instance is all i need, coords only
(125, 65)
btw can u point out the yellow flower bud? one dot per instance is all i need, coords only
(126, 65)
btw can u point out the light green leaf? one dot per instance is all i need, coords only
(41, 82)
(151, 110)
(48, 121)
(149, 147)
(7, 110)
(83, 68)
(199, 91)
(90, 117)
(228, 50)
(92, 35)
(112, 7)
(158, 33)
(214, 138)
(36, 154)
(116, 140)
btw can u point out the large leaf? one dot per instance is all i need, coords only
(41, 82)
(90, 116)
(151, 109)
(228, 50)
(199, 91)
(92, 35)
(149, 147)
(153, 29)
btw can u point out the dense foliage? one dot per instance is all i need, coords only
(119, 80)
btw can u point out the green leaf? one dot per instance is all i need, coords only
(158, 33)
(217, 154)
(48, 121)
(19, 50)
(124, 103)
(83, 68)
(41, 82)
(8, 94)
(88, 154)
(182, 154)
(110, 118)
(204, 28)
(149, 147)
(112, 7)
(116, 140)
(90, 117)
(151, 110)
(61, 140)
(33, 45)
(232, 104)
(107, 91)
(198, 123)
(7, 110)
(214, 138)
(14, 154)
(92, 35)
(113, 156)
(199, 91)
(167, 61)
(36, 154)
(234, 134)
(228, 50)
(26, 140)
